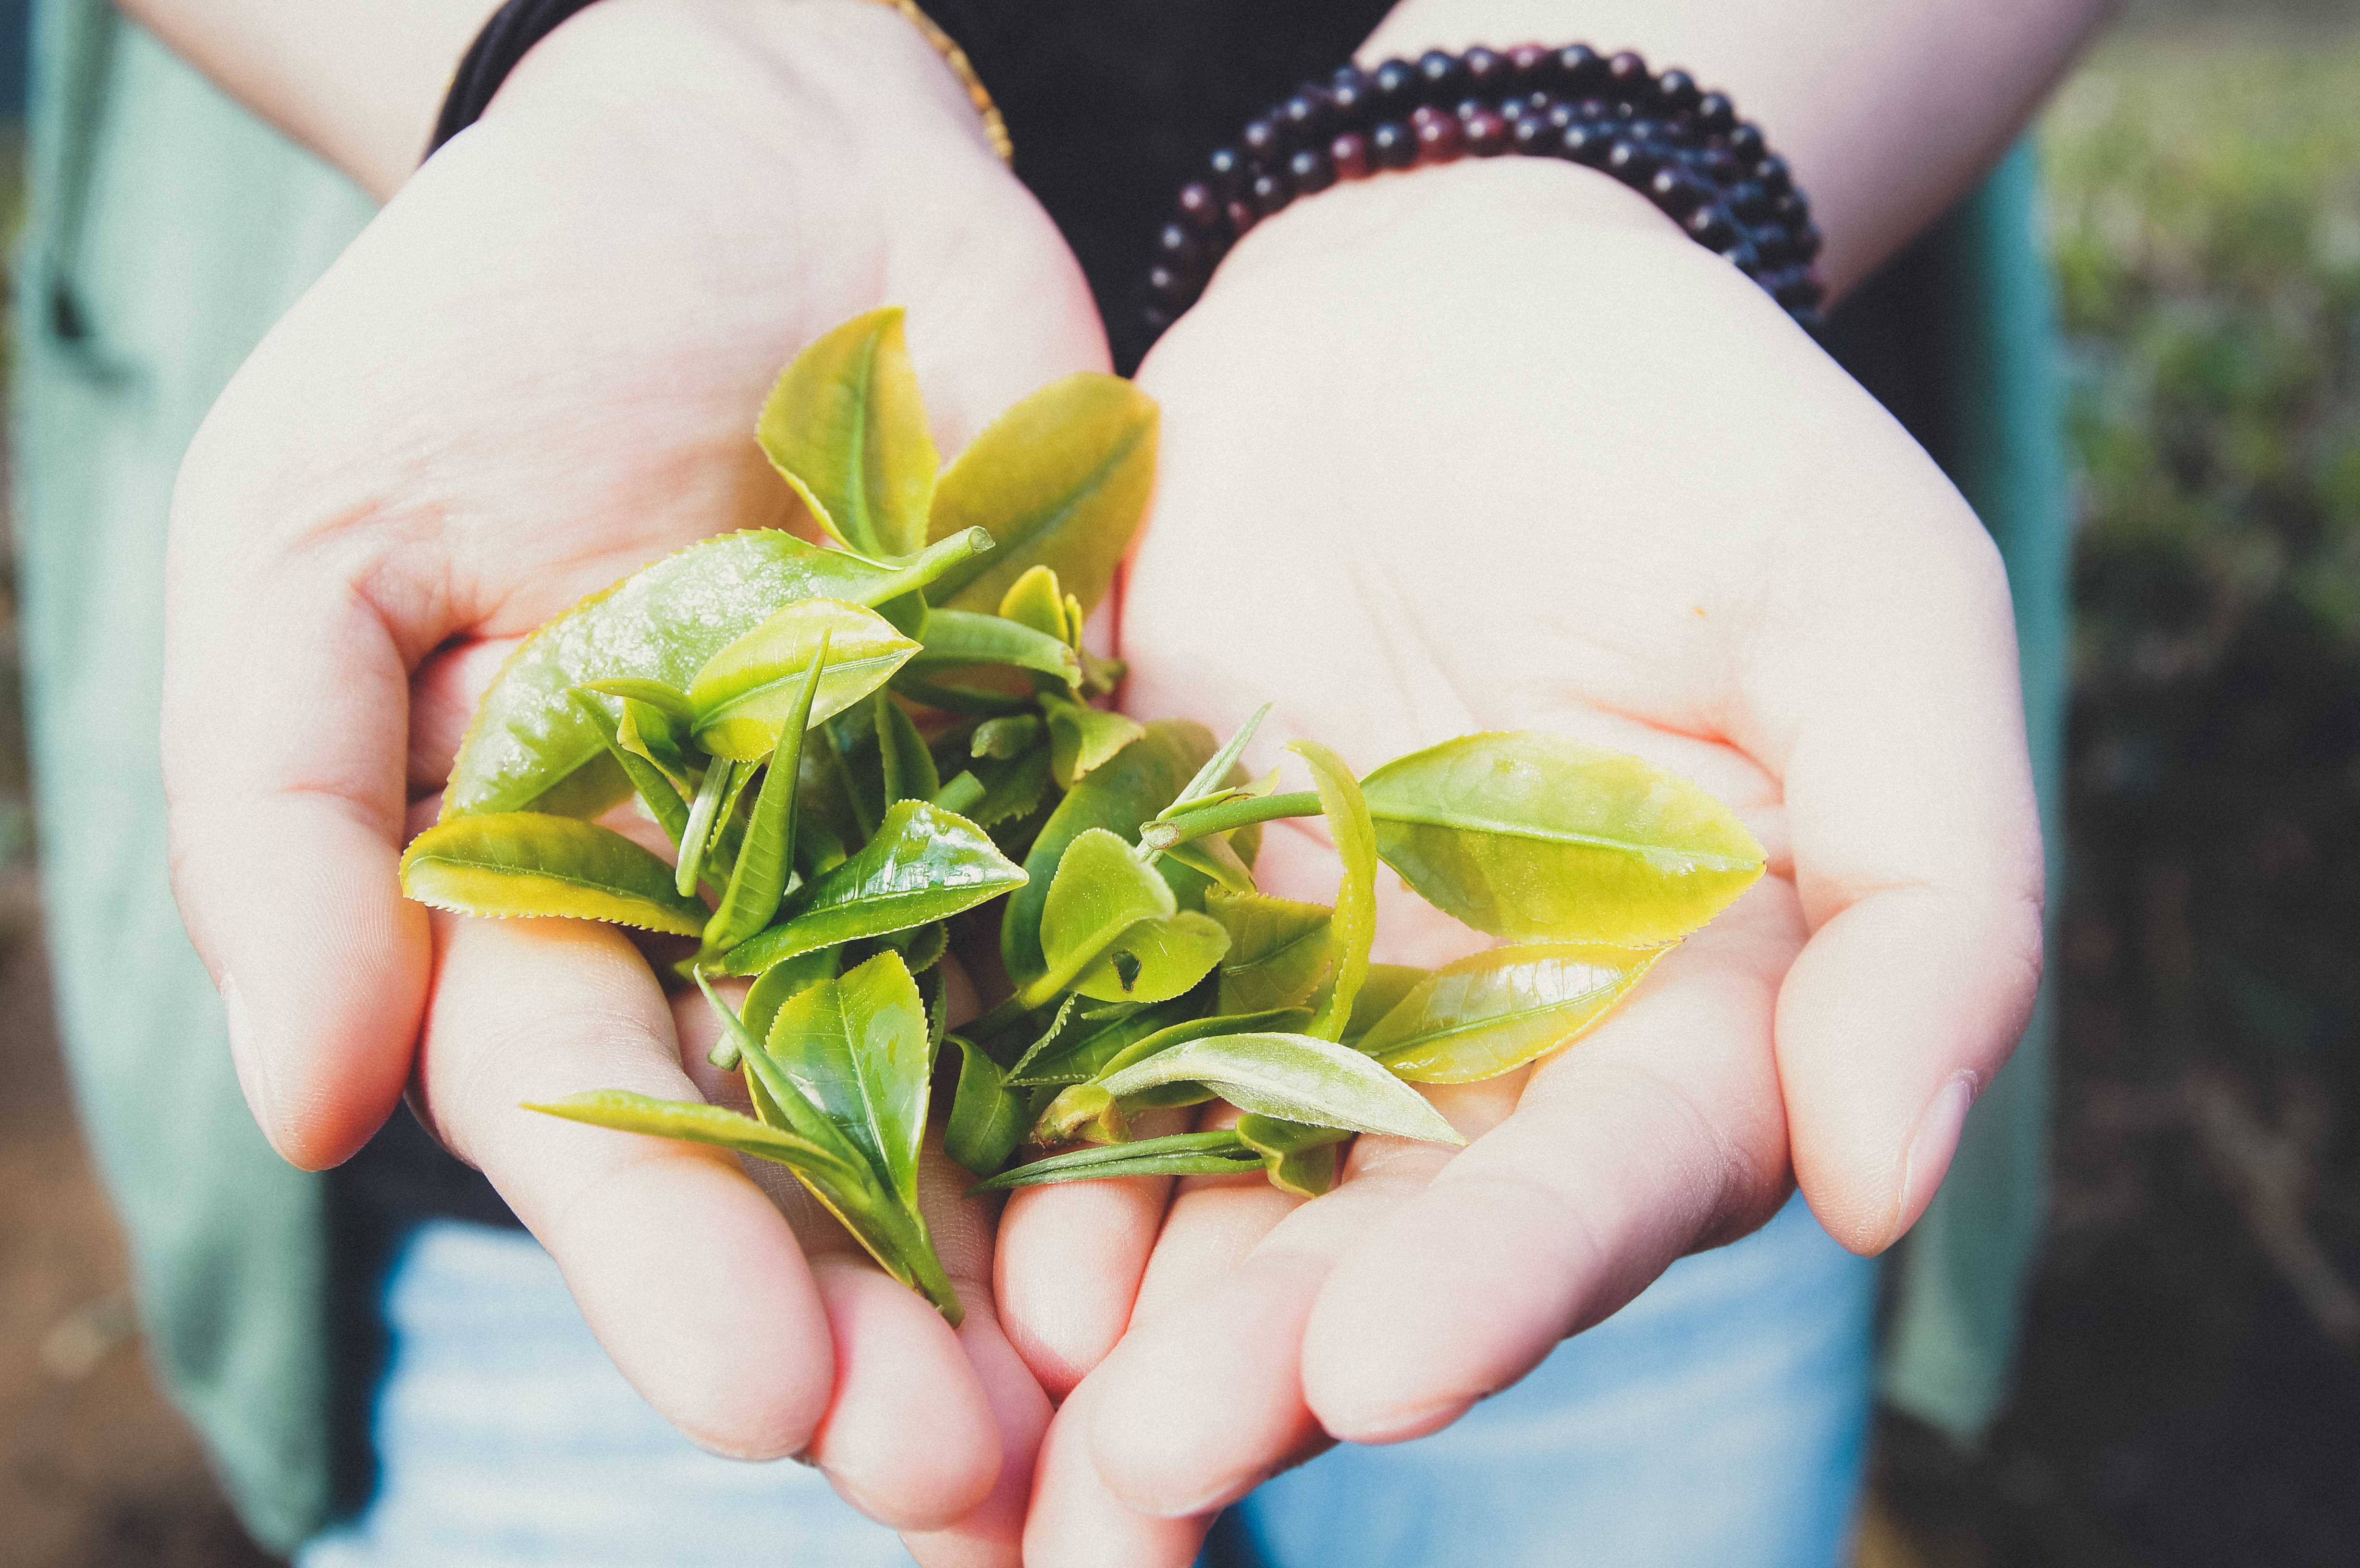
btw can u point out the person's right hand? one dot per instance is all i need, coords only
(537, 370)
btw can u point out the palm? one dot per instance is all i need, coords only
(503, 397)
(1442, 482)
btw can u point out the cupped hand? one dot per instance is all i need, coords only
(1496, 447)
(537, 370)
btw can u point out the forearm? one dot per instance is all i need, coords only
(1887, 111)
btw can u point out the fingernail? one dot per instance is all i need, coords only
(252, 1082)
(1936, 1140)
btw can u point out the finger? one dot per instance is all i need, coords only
(1917, 852)
(689, 1276)
(285, 700)
(1656, 1134)
(990, 1534)
(1069, 1261)
(1074, 1522)
(442, 696)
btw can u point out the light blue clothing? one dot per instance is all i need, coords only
(1718, 1421)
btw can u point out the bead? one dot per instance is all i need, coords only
(1710, 227)
(1156, 320)
(1393, 88)
(1393, 145)
(1241, 216)
(1260, 140)
(1534, 136)
(1678, 192)
(1718, 164)
(1740, 254)
(1528, 66)
(1350, 153)
(1199, 207)
(1716, 116)
(1226, 170)
(1580, 69)
(1644, 132)
(1268, 194)
(1304, 117)
(1468, 108)
(1677, 91)
(1310, 171)
(1485, 70)
(1806, 240)
(1561, 113)
(1585, 144)
(1681, 131)
(1746, 142)
(1633, 163)
(1487, 134)
(1440, 138)
(1777, 177)
(1351, 96)
(1175, 245)
(1440, 77)
(1515, 109)
(1748, 200)
(1793, 209)
(1626, 77)
(1172, 286)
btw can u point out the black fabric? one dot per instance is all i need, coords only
(514, 29)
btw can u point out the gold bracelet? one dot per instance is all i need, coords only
(995, 128)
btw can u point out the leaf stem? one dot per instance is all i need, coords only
(1157, 837)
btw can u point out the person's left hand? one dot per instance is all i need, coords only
(1497, 447)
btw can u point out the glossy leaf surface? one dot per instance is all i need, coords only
(1278, 950)
(1061, 480)
(1112, 930)
(1498, 1010)
(656, 792)
(858, 1048)
(1182, 1154)
(693, 1122)
(1036, 600)
(744, 692)
(846, 426)
(759, 877)
(987, 1118)
(1353, 927)
(1538, 837)
(1381, 993)
(1078, 1048)
(1295, 1077)
(906, 766)
(924, 865)
(662, 623)
(527, 863)
(1119, 797)
(958, 639)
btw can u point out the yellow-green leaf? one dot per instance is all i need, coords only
(1035, 600)
(528, 862)
(1278, 950)
(692, 1122)
(1494, 1011)
(1083, 739)
(1353, 927)
(846, 426)
(1061, 480)
(1294, 1077)
(859, 1049)
(1539, 837)
(745, 691)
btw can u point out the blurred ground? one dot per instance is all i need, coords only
(2191, 1395)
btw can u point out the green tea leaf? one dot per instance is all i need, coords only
(1083, 739)
(857, 1048)
(760, 878)
(1217, 861)
(1119, 797)
(1111, 929)
(1077, 1048)
(1013, 788)
(962, 793)
(958, 639)
(1036, 600)
(1211, 780)
(647, 732)
(1272, 1020)
(1498, 1010)
(771, 988)
(1303, 1159)
(526, 863)
(1004, 739)
(1381, 993)
(1278, 950)
(1295, 1077)
(1354, 925)
(924, 865)
(846, 427)
(987, 1118)
(1541, 838)
(744, 692)
(1222, 1153)
(655, 791)
(704, 812)
(693, 1122)
(907, 766)
(1061, 480)
(663, 697)
(662, 623)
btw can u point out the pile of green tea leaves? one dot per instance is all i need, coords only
(875, 754)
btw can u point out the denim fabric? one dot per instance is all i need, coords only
(1716, 1422)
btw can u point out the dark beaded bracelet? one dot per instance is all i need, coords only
(1679, 145)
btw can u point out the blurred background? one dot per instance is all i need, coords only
(2190, 1393)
